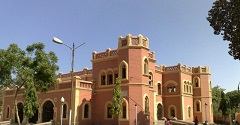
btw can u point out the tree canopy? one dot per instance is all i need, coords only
(224, 18)
(223, 105)
(32, 69)
(234, 98)
(216, 98)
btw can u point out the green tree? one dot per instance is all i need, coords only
(234, 98)
(224, 19)
(117, 99)
(223, 105)
(32, 69)
(216, 98)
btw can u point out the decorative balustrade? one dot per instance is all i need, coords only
(85, 71)
(186, 69)
(172, 68)
(101, 55)
(85, 85)
(183, 68)
(113, 53)
(135, 41)
(106, 54)
(130, 40)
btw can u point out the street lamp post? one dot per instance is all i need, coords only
(136, 112)
(238, 87)
(206, 113)
(62, 101)
(73, 48)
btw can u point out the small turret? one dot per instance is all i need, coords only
(133, 41)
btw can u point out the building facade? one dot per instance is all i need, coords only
(150, 92)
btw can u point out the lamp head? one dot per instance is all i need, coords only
(56, 40)
(62, 100)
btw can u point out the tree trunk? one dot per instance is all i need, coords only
(15, 106)
(118, 120)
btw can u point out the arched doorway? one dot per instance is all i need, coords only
(159, 111)
(47, 113)
(34, 119)
(20, 112)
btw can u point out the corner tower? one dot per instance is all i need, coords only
(202, 93)
(133, 53)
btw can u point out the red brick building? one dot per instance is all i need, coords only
(150, 92)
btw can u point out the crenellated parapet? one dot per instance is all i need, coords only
(201, 70)
(182, 68)
(159, 68)
(179, 67)
(107, 53)
(84, 72)
(128, 42)
(133, 41)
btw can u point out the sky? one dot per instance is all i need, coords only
(178, 31)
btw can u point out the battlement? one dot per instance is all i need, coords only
(107, 53)
(201, 69)
(85, 71)
(129, 41)
(133, 41)
(182, 68)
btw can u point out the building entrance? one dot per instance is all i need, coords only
(47, 114)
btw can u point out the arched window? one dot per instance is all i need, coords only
(184, 88)
(64, 110)
(146, 105)
(145, 66)
(47, 111)
(115, 76)
(189, 112)
(210, 85)
(159, 111)
(20, 112)
(8, 112)
(172, 111)
(171, 86)
(171, 89)
(86, 111)
(124, 110)
(107, 111)
(196, 82)
(103, 78)
(150, 79)
(159, 89)
(124, 72)
(197, 106)
(110, 78)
